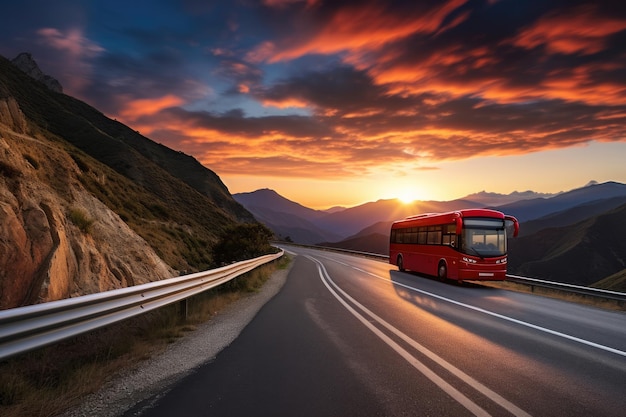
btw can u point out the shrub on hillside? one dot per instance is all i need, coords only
(81, 220)
(241, 242)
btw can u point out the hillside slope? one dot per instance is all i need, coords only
(581, 254)
(149, 164)
(90, 185)
(56, 239)
(615, 282)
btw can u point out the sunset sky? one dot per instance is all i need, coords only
(344, 102)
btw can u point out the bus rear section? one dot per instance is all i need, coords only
(461, 245)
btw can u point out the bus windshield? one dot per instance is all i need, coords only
(483, 237)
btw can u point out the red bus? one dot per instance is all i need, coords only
(461, 245)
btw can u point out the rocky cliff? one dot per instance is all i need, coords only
(26, 63)
(56, 239)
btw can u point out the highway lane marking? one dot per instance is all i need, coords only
(440, 382)
(491, 313)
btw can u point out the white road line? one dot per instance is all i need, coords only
(491, 313)
(445, 386)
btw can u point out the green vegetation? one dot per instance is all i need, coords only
(241, 242)
(50, 380)
(81, 220)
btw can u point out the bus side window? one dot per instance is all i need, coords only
(422, 235)
(449, 234)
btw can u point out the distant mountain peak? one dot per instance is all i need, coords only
(592, 182)
(268, 198)
(497, 199)
(267, 191)
(27, 64)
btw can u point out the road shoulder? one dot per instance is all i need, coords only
(152, 377)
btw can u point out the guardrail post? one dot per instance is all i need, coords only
(183, 309)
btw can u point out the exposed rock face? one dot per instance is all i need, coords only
(56, 239)
(27, 64)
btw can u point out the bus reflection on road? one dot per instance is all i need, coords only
(443, 312)
(411, 296)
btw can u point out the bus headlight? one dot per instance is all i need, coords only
(469, 261)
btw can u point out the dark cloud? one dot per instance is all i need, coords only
(235, 122)
(342, 89)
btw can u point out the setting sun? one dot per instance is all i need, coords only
(407, 198)
(408, 193)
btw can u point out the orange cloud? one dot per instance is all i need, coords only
(135, 109)
(361, 27)
(443, 73)
(286, 103)
(577, 31)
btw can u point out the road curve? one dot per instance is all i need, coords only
(348, 336)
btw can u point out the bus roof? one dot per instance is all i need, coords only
(451, 216)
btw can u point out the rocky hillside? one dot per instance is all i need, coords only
(87, 204)
(57, 239)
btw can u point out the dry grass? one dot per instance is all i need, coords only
(49, 381)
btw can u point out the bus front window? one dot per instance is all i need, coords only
(484, 237)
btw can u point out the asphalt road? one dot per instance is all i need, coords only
(348, 336)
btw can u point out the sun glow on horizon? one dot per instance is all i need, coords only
(408, 193)
(406, 198)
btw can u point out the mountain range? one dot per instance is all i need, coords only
(555, 231)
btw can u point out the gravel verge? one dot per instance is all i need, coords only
(151, 378)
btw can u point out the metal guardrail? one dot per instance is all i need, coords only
(532, 282)
(577, 289)
(333, 249)
(30, 327)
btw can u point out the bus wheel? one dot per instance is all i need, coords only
(400, 263)
(442, 271)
